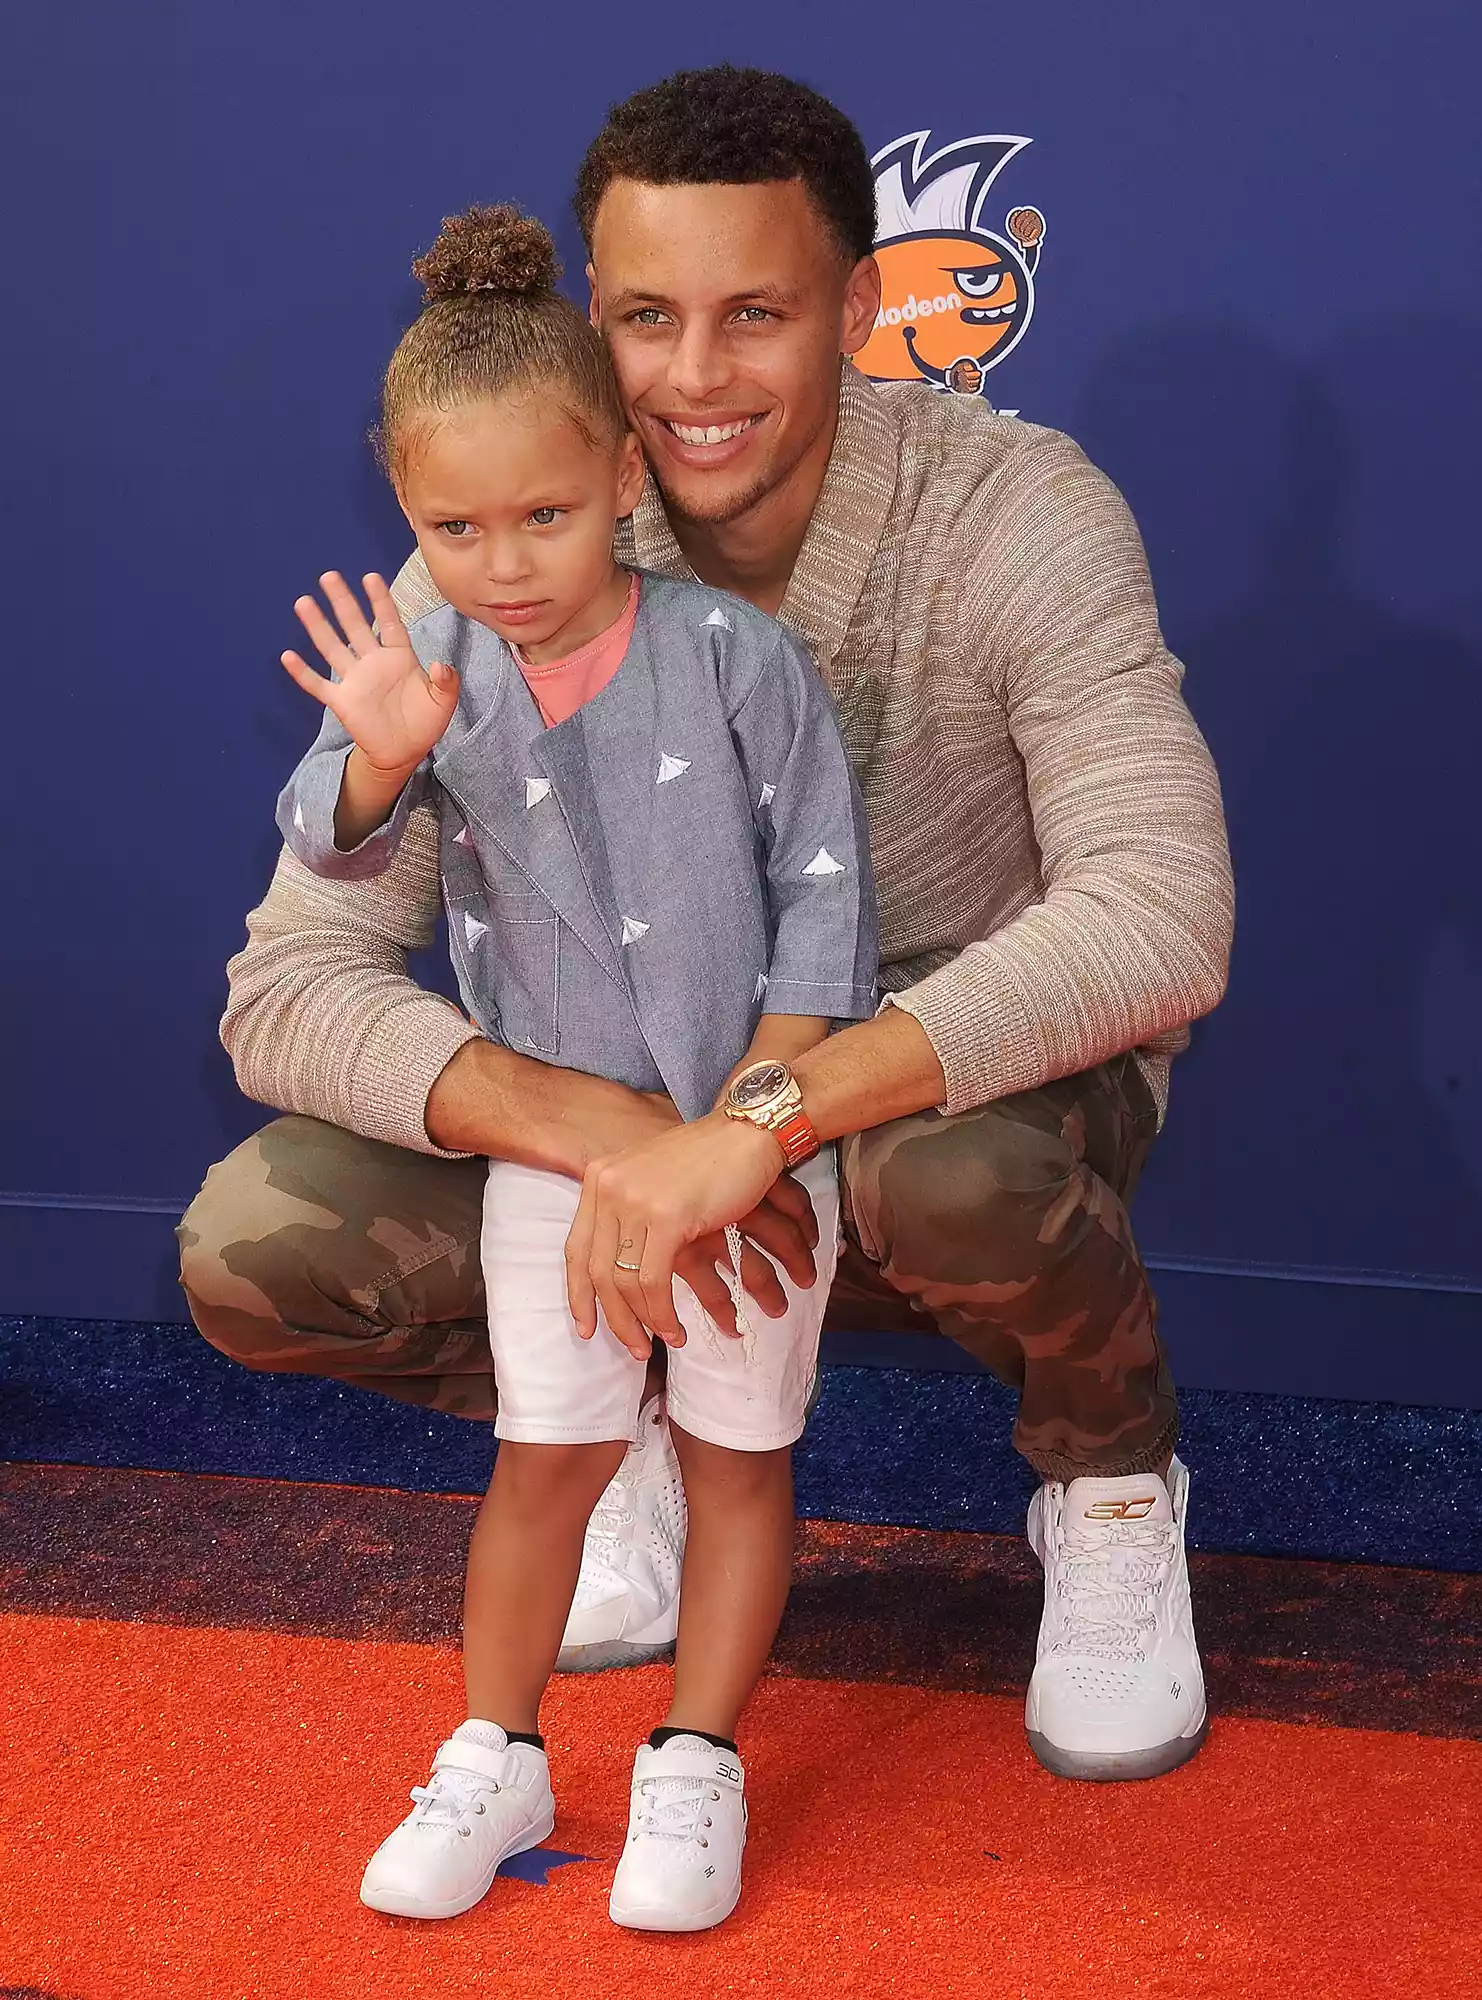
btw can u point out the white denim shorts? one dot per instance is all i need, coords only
(749, 1393)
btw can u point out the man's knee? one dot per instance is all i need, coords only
(307, 1234)
(934, 1193)
(243, 1244)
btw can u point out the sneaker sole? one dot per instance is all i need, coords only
(392, 1905)
(654, 1642)
(646, 1918)
(1108, 1767)
(605, 1653)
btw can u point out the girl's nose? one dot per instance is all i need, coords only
(505, 562)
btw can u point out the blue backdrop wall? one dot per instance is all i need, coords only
(1258, 305)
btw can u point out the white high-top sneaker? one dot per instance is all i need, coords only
(486, 1799)
(626, 1608)
(681, 1865)
(1117, 1690)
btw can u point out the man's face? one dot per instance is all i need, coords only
(726, 309)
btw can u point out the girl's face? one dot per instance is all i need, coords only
(513, 510)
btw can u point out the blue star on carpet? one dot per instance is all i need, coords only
(537, 1862)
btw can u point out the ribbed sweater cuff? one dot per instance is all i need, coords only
(400, 1059)
(982, 1033)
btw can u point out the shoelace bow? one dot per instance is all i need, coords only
(449, 1797)
(1107, 1583)
(674, 1808)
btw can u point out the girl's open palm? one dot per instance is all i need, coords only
(394, 710)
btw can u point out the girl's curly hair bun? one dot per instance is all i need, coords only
(494, 249)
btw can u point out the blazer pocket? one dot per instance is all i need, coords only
(508, 947)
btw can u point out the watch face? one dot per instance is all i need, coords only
(755, 1086)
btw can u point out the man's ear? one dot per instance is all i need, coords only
(594, 303)
(861, 305)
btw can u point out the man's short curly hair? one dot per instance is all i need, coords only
(740, 126)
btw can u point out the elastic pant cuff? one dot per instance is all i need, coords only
(1060, 1467)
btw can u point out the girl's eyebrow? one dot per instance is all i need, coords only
(434, 510)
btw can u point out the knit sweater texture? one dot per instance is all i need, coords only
(1045, 819)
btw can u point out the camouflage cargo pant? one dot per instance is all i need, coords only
(314, 1250)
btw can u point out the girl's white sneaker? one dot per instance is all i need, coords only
(681, 1866)
(486, 1799)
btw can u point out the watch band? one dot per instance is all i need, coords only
(796, 1137)
(781, 1112)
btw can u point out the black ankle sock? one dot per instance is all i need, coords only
(521, 1736)
(659, 1737)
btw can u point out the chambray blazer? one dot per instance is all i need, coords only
(628, 892)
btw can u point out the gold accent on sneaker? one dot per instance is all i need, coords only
(1120, 1510)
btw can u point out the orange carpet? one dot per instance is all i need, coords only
(186, 1811)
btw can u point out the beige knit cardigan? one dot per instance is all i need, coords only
(1045, 818)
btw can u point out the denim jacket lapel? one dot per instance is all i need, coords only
(609, 750)
(515, 790)
(620, 749)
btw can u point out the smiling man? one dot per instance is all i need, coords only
(1055, 909)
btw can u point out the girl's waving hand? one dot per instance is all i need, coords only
(394, 710)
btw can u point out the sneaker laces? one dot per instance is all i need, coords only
(674, 1808)
(611, 1516)
(1108, 1582)
(607, 1535)
(449, 1796)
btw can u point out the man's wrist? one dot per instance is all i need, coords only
(753, 1141)
(869, 1074)
(490, 1099)
(765, 1093)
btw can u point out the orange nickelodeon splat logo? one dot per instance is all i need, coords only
(955, 297)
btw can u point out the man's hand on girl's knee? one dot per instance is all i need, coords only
(784, 1224)
(780, 1230)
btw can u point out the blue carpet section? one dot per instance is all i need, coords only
(1371, 1482)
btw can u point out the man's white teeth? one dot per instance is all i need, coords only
(711, 434)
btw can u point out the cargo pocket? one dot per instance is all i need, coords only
(508, 948)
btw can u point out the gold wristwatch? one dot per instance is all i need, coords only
(766, 1094)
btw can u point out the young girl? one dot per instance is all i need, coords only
(654, 869)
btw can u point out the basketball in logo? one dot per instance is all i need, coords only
(956, 297)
